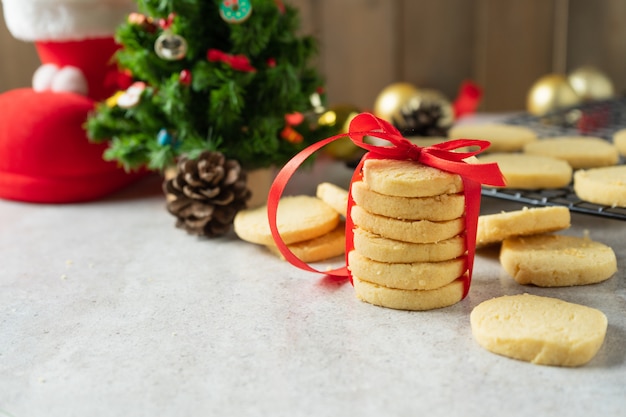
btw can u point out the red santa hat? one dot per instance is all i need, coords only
(59, 20)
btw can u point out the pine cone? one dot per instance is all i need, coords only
(206, 193)
(425, 120)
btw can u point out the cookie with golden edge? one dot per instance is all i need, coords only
(407, 276)
(403, 178)
(619, 141)
(577, 151)
(416, 300)
(415, 231)
(556, 260)
(334, 196)
(494, 228)
(298, 218)
(382, 249)
(327, 246)
(503, 137)
(606, 186)
(529, 172)
(540, 330)
(437, 208)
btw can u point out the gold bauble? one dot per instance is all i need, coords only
(391, 99)
(551, 92)
(339, 117)
(591, 84)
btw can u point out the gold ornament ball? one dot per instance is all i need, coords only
(392, 98)
(591, 83)
(551, 92)
(339, 118)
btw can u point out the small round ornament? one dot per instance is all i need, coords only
(591, 84)
(185, 77)
(549, 93)
(170, 46)
(391, 100)
(235, 11)
(164, 137)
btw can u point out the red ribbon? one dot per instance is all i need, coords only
(445, 156)
(238, 62)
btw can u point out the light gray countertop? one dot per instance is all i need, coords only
(106, 309)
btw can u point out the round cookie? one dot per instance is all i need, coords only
(381, 249)
(415, 231)
(334, 196)
(556, 260)
(320, 248)
(436, 208)
(407, 276)
(402, 178)
(531, 171)
(494, 228)
(578, 152)
(541, 330)
(299, 218)
(503, 138)
(619, 141)
(606, 185)
(416, 300)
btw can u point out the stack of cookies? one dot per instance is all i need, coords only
(409, 244)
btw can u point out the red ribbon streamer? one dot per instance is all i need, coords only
(445, 156)
(238, 62)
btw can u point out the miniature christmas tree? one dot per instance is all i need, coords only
(228, 76)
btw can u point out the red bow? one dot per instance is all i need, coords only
(237, 62)
(442, 156)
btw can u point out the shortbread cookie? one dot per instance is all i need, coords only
(320, 248)
(299, 218)
(494, 228)
(556, 260)
(418, 300)
(619, 141)
(416, 231)
(401, 178)
(382, 249)
(436, 208)
(577, 151)
(503, 138)
(334, 196)
(541, 330)
(531, 171)
(605, 185)
(407, 276)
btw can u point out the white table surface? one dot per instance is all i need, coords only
(106, 309)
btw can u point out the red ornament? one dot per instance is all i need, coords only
(237, 62)
(294, 119)
(271, 62)
(167, 23)
(185, 77)
(291, 135)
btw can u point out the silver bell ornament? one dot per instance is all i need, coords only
(170, 46)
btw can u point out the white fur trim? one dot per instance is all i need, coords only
(49, 20)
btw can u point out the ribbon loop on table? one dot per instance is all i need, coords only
(450, 156)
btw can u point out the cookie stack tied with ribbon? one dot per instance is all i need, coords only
(409, 244)
(411, 216)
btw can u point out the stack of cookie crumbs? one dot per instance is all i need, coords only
(409, 244)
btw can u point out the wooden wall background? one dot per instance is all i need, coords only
(504, 45)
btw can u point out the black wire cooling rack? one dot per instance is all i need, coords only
(600, 119)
